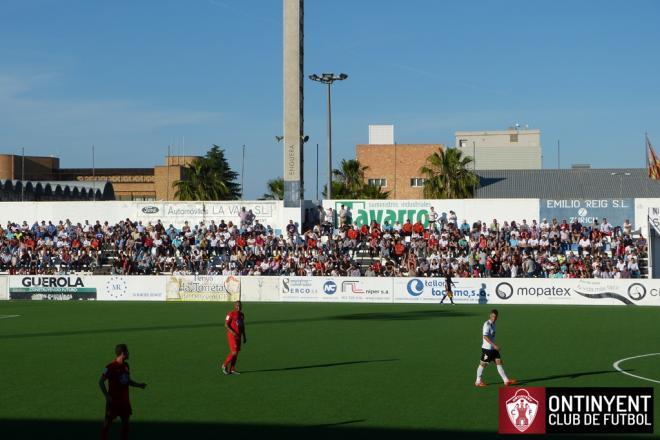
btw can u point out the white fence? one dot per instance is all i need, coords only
(332, 289)
(267, 212)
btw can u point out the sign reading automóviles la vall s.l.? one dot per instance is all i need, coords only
(267, 212)
(586, 211)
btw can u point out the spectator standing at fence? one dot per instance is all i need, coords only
(433, 218)
(342, 216)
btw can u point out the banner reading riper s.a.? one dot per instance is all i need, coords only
(203, 288)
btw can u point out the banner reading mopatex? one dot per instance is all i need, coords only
(601, 410)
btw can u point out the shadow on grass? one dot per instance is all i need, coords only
(380, 316)
(402, 316)
(567, 376)
(111, 330)
(75, 430)
(334, 364)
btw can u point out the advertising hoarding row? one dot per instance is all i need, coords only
(630, 292)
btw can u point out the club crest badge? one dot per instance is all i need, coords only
(522, 409)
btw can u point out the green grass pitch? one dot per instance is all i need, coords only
(310, 370)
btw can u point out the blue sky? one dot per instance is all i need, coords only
(132, 77)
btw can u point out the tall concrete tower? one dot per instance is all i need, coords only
(293, 102)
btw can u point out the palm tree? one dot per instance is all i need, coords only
(200, 182)
(351, 176)
(448, 175)
(275, 189)
(208, 178)
(373, 192)
(349, 183)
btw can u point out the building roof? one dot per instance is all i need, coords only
(582, 183)
(31, 190)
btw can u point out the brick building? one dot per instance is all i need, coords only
(395, 167)
(155, 183)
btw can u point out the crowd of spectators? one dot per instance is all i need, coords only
(334, 246)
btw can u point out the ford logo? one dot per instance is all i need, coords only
(150, 209)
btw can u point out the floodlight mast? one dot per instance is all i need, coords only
(328, 79)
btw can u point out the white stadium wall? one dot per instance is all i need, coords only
(273, 213)
(267, 212)
(332, 289)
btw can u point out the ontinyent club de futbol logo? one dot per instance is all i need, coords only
(415, 287)
(522, 409)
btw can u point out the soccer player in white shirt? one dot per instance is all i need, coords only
(491, 351)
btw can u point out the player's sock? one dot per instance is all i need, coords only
(480, 371)
(228, 360)
(500, 369)
(233, 362)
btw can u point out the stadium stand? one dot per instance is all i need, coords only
(554, 249)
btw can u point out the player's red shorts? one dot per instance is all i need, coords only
(121, 409)
(234, 342)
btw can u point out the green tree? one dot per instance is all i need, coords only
(208, 178)
(448, 175)
(218, 162)
(275, 189)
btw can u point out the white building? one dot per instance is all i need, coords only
(513, 149)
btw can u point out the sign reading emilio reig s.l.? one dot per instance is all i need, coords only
(538, 410)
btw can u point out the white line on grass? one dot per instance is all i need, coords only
(9, 316)
(616, 366)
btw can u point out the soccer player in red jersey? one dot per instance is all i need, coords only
(235, 325)
(116, 396)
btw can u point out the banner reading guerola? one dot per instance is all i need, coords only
(203, 288)
(425, 290)
(52, 287)
(267, 212)
(586, 211)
